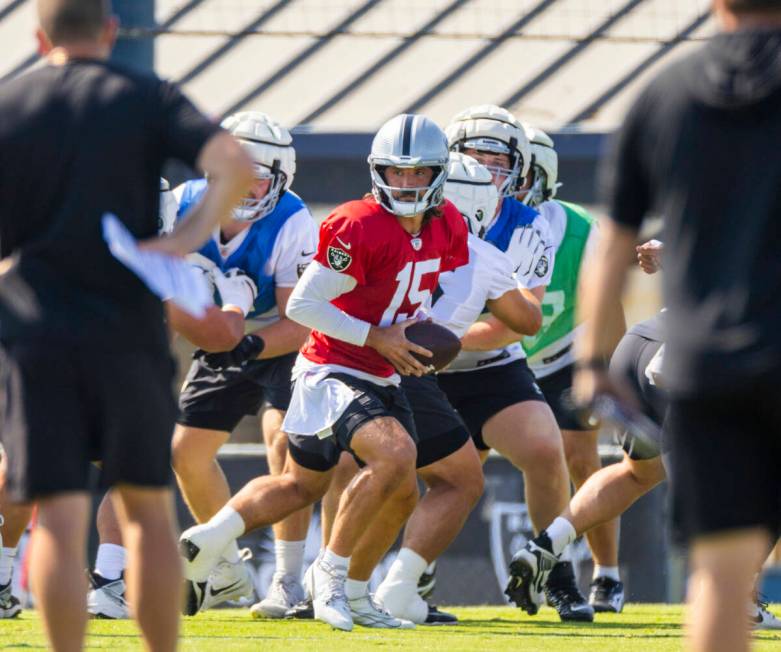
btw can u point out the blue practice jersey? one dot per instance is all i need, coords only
(274, 251)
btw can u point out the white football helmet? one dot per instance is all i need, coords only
(166, 219)
(471, 188)
(409, 141)
(544, 167)
(490, 128)
(269, 145)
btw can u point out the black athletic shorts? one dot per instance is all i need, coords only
(480, 394)
(371, 402)
(218, 400)
(65, 406)
(441, 431)
(725, 455)
(630, 359)
(556, 387)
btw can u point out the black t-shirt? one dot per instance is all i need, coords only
(77, 141)
(702, 147)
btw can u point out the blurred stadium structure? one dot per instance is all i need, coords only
(351, 64)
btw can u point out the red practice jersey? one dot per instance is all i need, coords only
(395, 273)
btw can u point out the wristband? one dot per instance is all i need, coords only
(592, 364)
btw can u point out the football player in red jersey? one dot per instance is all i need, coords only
(378, 262)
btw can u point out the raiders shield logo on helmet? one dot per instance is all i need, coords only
(338, 259)
(542, 266)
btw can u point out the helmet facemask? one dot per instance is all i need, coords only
(420, 199)
(251, 209)
(508, 187)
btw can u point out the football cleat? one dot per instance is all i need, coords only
(428, 580)
(284, 593)
(563, 595)
(228, 581)
(106, 598)
(606, 594)
(761, 617)
(302, 611)
(437, 617)
(325, 584)
(200, 556)
(401, 600)
(529, 570)
(365, 612)
(10, 607)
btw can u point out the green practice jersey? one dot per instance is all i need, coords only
(574, 233)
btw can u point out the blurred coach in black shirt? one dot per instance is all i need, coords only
(702, 147)
(86, 370)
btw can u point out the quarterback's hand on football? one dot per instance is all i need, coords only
(649, 256)
(392, 345)
(525, 248)
(236, 289)
(249, 348)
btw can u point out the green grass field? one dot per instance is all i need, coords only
(645, 628)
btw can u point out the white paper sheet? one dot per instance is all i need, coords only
(170, 278)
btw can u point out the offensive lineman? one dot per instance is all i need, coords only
(377, 263)
(550, 351)
(447, 460)
(254, 262)
(492, 387)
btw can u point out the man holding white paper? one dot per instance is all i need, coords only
(88, 375)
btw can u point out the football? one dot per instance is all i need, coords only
(443, 343)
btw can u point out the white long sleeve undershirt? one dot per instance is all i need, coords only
(310, 305)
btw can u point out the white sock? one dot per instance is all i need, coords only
(110, 561)
(6, 564)
(336, 561)
(566, 554)
(355, 589)
(227, 523)
(606, 571)
(408, 566)
(231, 553)
(290, 557)
(561, 534)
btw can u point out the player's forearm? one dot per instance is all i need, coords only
(281, 337)
(218, 330)
(488, 335)
(602, 284)
(517, 312)
(230, 174)
(310, 305)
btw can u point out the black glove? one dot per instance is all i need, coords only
(250, 347)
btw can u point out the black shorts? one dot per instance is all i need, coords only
(65, 406)
(441, 431)
(724, 458)
(218, 400)
(371, 402)
(556, 387)
(628, 364)
(480, 394)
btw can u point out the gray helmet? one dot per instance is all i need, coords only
(409, 141)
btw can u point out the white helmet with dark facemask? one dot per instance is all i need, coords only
(166, 219)
(544, 168)
(408, 141)
(269, 145)
(471, 188)
(490, 128)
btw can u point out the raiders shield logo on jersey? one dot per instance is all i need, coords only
(338, 259)
(542, 266)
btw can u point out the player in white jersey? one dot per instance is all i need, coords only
(447, 460)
